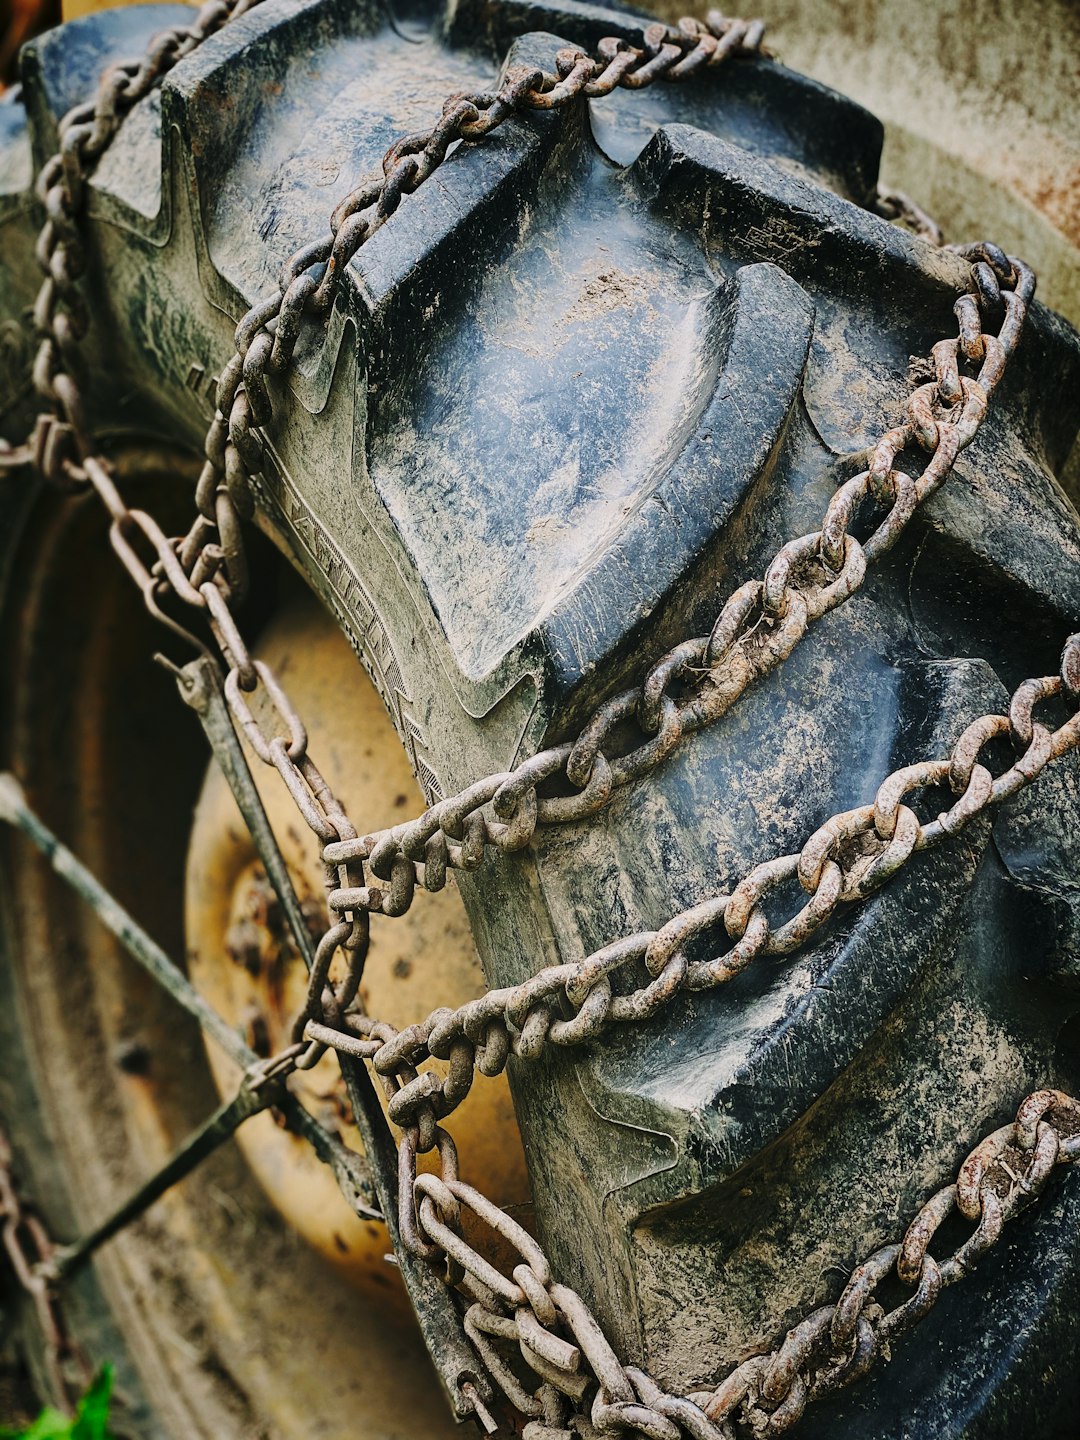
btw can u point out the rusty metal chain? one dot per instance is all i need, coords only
(207, 570)
(758, 627)
(30, 1253)
(761, 622)
(844, 861)
(61, 438)
(583, 1389)
(898, 206)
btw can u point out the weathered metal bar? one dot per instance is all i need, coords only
(200, 687)
(199, 684)
(220, 1127)
(463, 1377)
(436, 1312)
(15, 810)
(351, 1171)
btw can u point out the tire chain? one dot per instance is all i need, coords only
(845, 860)
(29, 1251)
(560, 1340)
(757, 628)
(697, 682)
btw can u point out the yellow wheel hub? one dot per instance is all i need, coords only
(241, 957)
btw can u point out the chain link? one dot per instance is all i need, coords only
(757, 628)
(900, 207)
(844, 861)
(30, 1253)
(583, 1389)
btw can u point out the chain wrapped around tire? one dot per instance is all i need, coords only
(523, 433)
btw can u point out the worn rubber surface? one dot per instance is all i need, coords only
(580, 386)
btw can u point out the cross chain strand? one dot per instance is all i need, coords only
(584, 1391)
(847, 859)
(29, 1251)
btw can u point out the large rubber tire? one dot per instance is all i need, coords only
(581, 385)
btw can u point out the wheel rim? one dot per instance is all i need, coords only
(248, 1305)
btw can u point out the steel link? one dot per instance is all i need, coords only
(895, 205)
(30, 1252)
(757, 628)
(582, 1383)
(844, 861)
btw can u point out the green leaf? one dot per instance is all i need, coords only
(90, 1422)
(50, 1425)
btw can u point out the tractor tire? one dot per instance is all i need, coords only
(579, 387)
